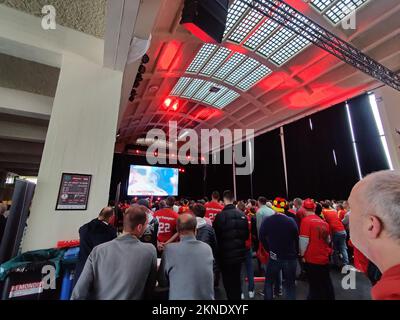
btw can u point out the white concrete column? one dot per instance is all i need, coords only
(80, 139)
(388, 101)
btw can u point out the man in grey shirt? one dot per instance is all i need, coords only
(262, 212)
(122, 269)
(187, 266)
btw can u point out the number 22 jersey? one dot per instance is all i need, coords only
(166, 223)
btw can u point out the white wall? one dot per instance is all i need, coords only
(80, 139)
(388, 100)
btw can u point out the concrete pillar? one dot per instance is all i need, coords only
(80, 139)
(388, 101)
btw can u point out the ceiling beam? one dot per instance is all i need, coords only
(22, 131)
(19, 158)
(21, 147)
(22, 103)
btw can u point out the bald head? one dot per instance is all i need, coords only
(375, 215)
(186, 224)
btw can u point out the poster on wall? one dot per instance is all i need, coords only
(74, 191)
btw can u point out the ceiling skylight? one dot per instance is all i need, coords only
(204, 91)
(223, 64)
(337, 10)
(249, 28)
(258, 74)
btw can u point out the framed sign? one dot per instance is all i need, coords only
(74, 191)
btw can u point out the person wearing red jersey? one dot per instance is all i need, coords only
(341, 211)
(213, 207)
(300, 211)
(185, 207)
(375, 228)
(167, 219)
(314, 244)
(338, 233)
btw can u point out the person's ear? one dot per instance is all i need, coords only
(374, 227)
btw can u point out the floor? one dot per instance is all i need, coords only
(361, 291)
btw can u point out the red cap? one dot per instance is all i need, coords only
(309, 204)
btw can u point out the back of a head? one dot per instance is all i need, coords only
(199, 210)
(144, 202)
(382, 198)
(170, 202)
(134, 216)
(3, 208)
(298, 202)
(241, 206)
(228, 196)
(215, 195)
(253, 202)
(262, 200)
(186, 223)
(106, 213)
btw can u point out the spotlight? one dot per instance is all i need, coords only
(142, 69)
(175, 106)
(167, 102)
(145, 59)
(139, 77)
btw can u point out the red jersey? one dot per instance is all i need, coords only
(317, 232)
(331, 216)
(388, 288)
(248, 241)
(212, 209)
(167, 219)
(360, 261)
(301, 213)
(183, 209)
(341, 214)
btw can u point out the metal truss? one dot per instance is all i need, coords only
(290, 18)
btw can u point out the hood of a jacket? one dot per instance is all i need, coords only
(201, 222)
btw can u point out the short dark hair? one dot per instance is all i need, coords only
(199, 210)
(215, 195)
(253, 202)
(262, 200)
(228, 195)
(106, 212)
(241, 206)
(186, 222)
(170, 201)
(135, 215)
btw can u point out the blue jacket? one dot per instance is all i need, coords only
(279, 235)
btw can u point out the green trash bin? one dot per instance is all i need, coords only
(33, 275)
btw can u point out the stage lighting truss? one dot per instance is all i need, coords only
(336, 10)
(299, 25)
(204, 91)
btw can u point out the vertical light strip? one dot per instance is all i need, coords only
(334, 156)
(353, 141)
(378, 121)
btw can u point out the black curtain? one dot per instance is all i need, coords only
(312, 144)
(268, 174)
(369, 146)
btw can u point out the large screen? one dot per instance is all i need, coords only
(152, 181)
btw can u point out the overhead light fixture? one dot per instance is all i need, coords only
(205, 19)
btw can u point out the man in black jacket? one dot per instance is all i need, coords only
(232, 231)
(92, 234)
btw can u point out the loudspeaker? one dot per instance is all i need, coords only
(206, 19)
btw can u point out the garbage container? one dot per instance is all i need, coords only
(34, 275)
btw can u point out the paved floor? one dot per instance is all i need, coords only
(361, 292)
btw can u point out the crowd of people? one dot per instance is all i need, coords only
(188, 246)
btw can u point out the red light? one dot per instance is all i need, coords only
(197, 32)
(168, 55)
(167, 102)
(137, 151)
(183, 170)
(158, 198)
(175, 106)
(155, 154)
(202, 158)
(188, 157)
